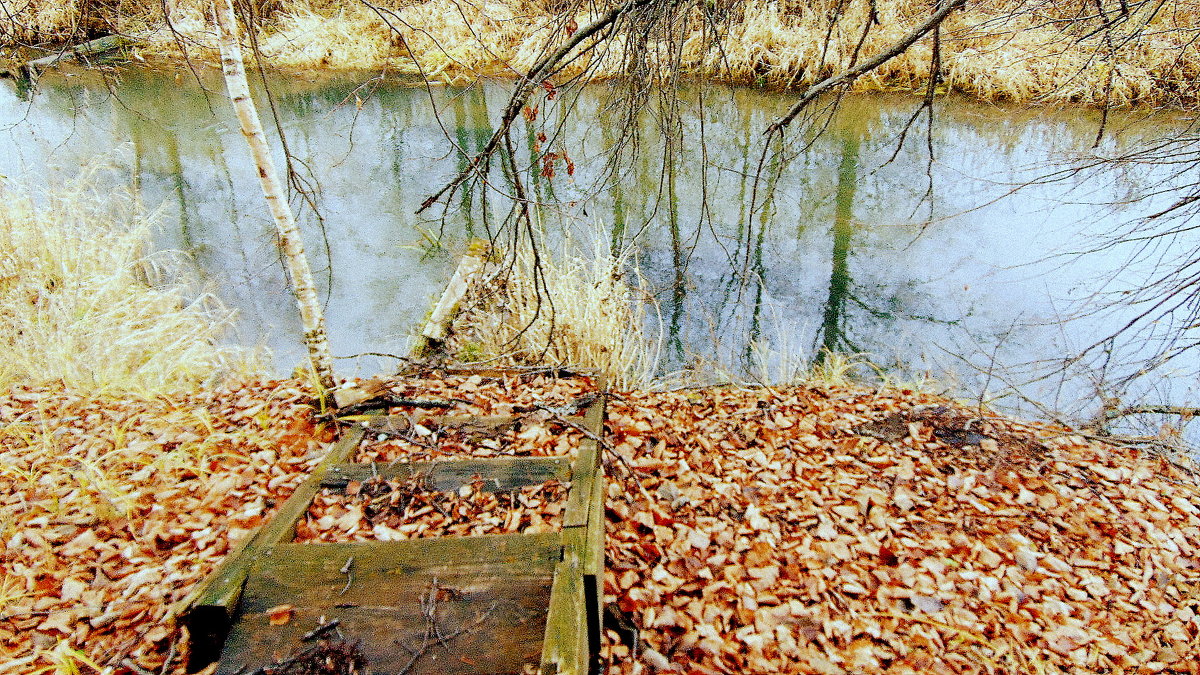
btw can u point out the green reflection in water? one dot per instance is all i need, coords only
(829, 242)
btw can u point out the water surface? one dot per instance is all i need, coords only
(931, 266)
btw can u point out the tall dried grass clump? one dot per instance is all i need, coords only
(82, 304)
(576, 310)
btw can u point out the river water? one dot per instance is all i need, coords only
(952, 268)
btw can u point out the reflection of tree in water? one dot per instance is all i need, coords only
(833, 329)
(845, 308)
(826, 248)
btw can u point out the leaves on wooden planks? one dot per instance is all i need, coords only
(114, 509)
(390, 510)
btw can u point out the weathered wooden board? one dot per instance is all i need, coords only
(496, 474)
(495, 626)
(587, 466)
(565, 648)
(573, 624)
(592, 566)
(289, 568)
(497, 372)
(400, 425)
(486, 597)
(208, 610)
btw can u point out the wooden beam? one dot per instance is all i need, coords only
(587, 466)
(565, 647)
(497, 474)
(289, 569)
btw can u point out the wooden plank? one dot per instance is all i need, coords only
(95, 47)
(498, 474)
(593, 571)
(593, 551)
(565, 647)
(573, 625)
(294, 570)
(495, 372)
(587, 464)
(208, 610)
(494, 588)
(399, 425)
(494, 625)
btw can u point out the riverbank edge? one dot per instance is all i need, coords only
(992, 54)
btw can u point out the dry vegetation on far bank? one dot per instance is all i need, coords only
(1081, 52)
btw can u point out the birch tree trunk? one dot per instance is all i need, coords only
(290, 242)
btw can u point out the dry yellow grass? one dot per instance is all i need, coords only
(578, 311)
(82, 305)
(1020, 50)
(1008, 49)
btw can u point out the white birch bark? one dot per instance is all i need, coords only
(315, 338)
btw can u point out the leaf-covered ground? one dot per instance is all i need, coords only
(808, 530)
(843, 531)
(113, 510)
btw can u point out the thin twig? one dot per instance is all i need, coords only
(320, 630)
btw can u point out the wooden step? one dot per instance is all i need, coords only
(471, 605)
(496, 474)
(452, 605)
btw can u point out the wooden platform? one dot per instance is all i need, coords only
(519, 603)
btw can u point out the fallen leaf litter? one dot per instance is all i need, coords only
(113, 510)
(391, 510)
(802, 530)
(781, 538)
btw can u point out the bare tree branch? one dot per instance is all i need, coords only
(852, 74)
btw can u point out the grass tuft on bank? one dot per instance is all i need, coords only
(85, 306)
(573, 308)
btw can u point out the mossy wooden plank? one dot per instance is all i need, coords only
(593, 549)
(565, 648)
(315, 571)
(496, 473)
(208, 610)
(495, 626)
(502, 371)
(587, 464)
(402, 425)
(593, 568)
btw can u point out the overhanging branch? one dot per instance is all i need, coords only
(852, 74)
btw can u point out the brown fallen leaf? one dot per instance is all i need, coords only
(280, 615)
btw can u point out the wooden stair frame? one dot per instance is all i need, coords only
(574, 615)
